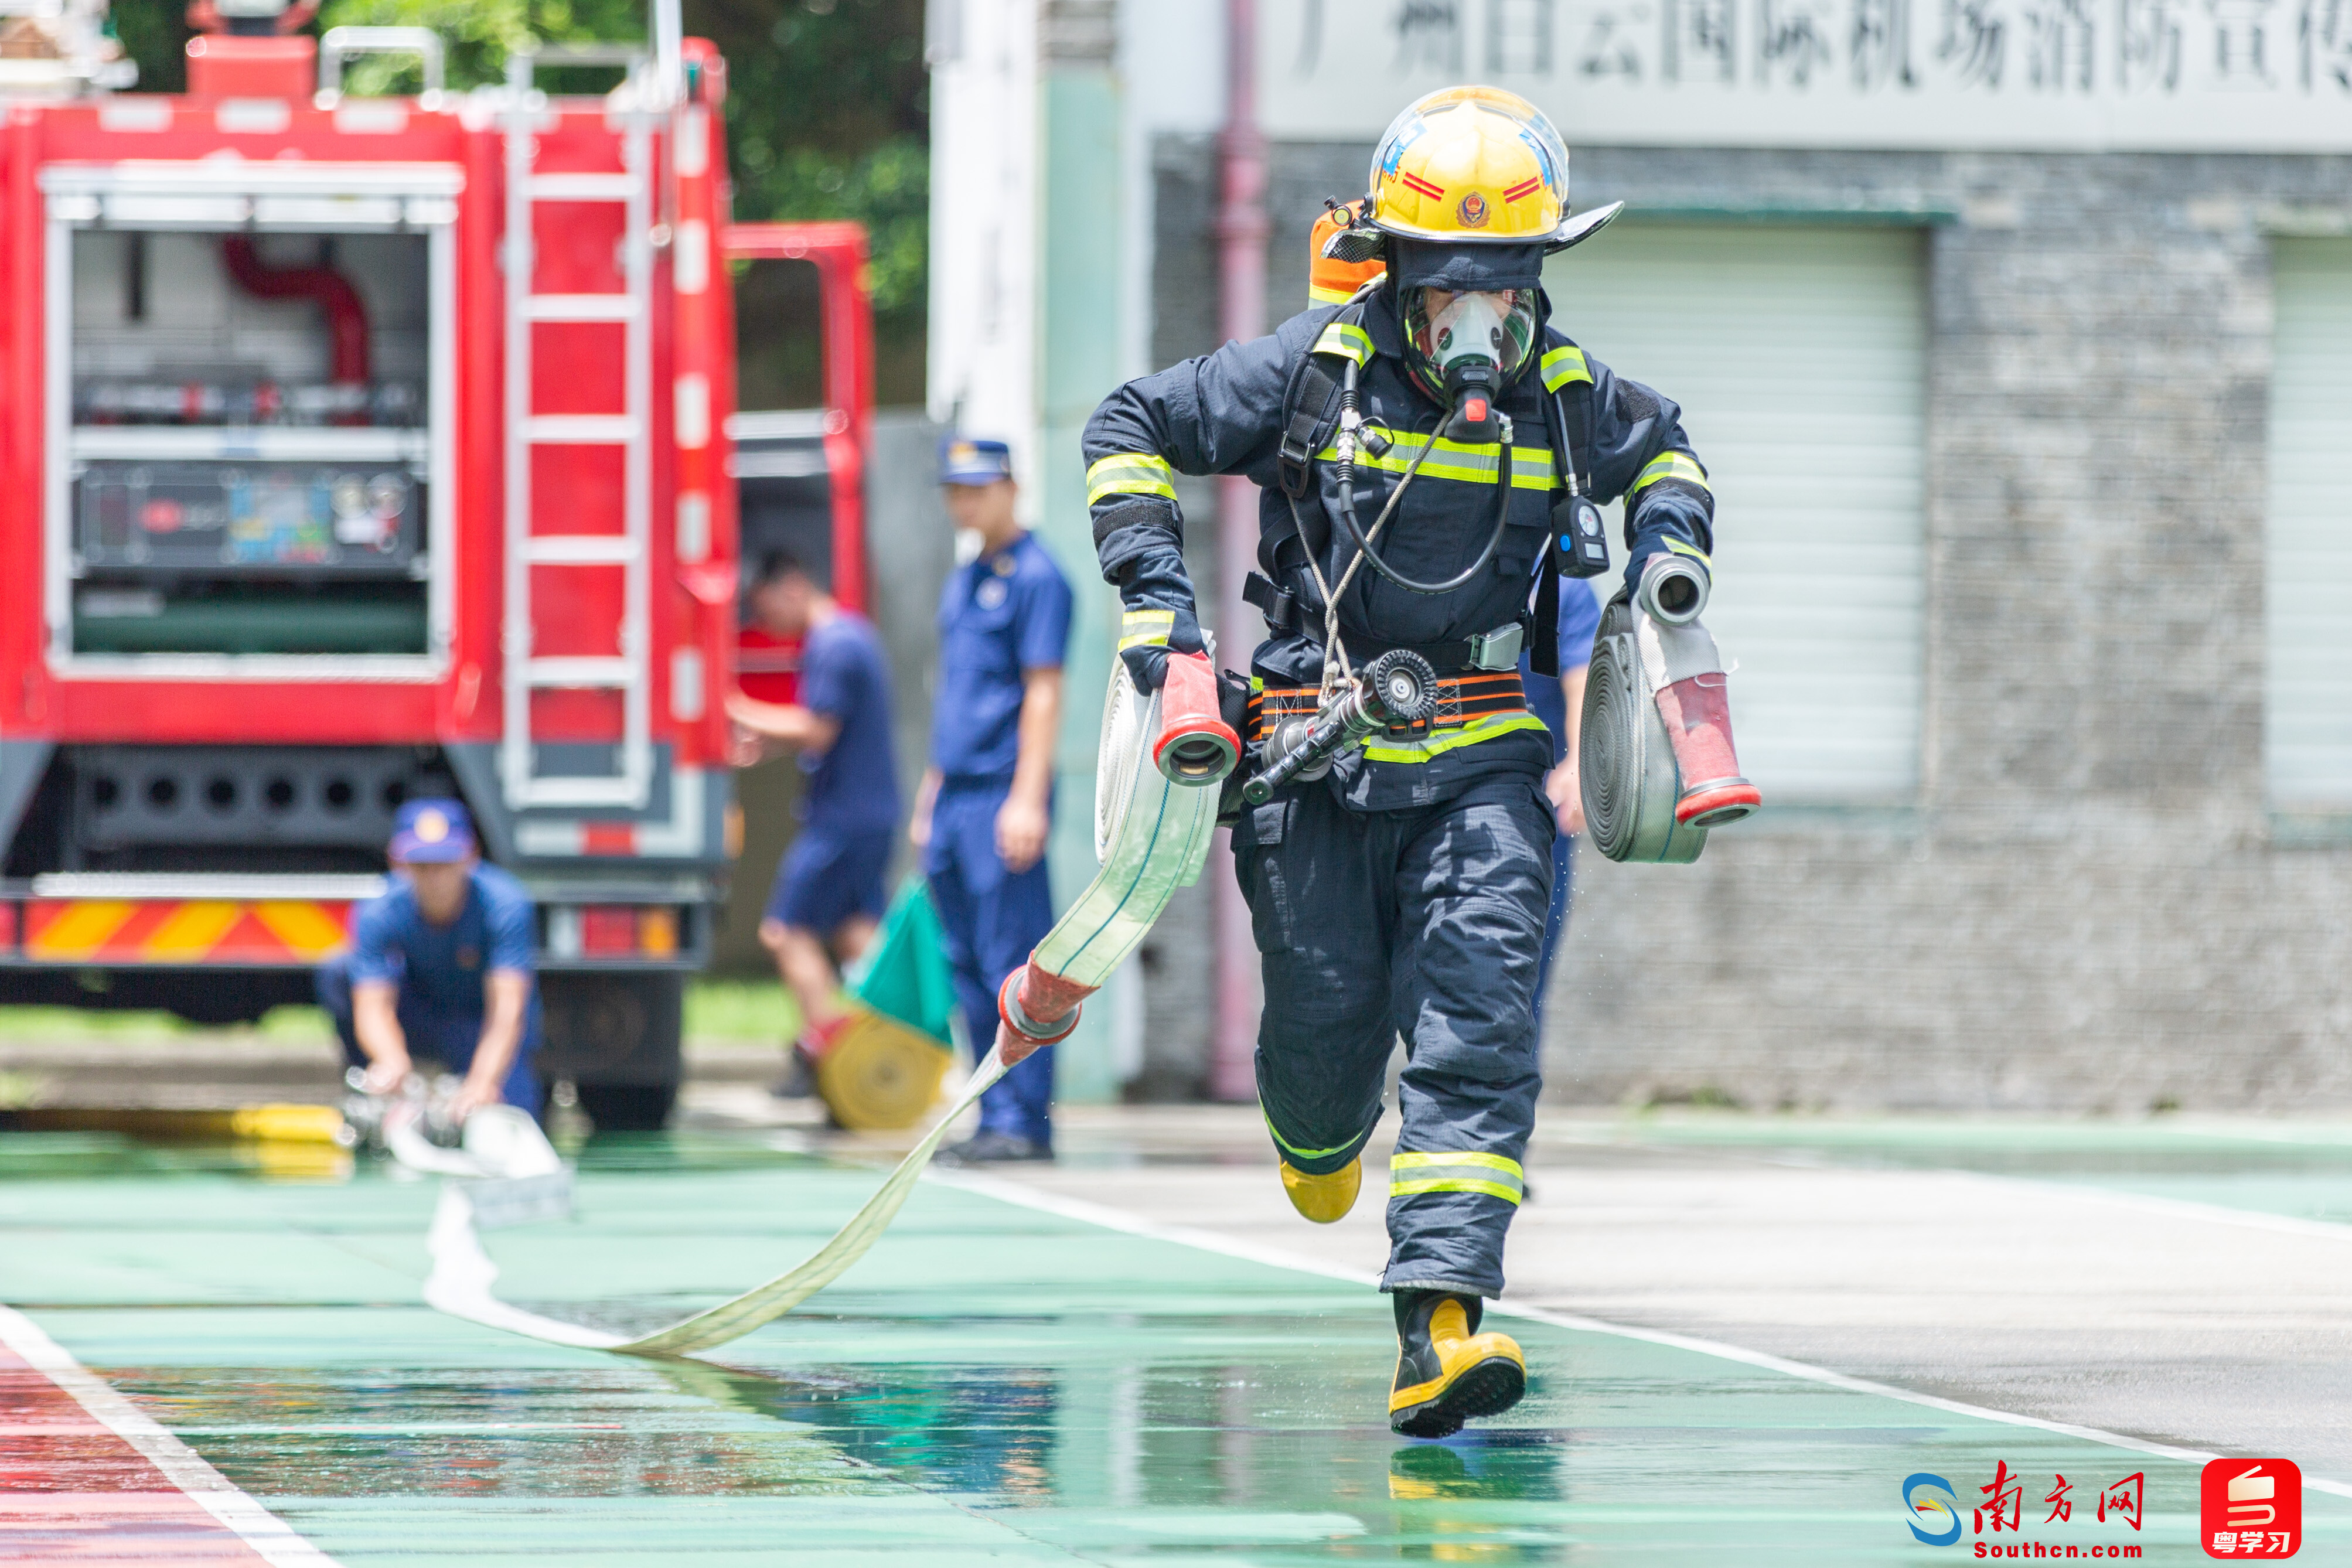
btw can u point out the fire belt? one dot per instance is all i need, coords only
(1460, 698)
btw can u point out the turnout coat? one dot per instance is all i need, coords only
(1226, 413)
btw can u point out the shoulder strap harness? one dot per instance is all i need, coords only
(1310, 409)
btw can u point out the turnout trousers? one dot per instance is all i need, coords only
(1425, 923)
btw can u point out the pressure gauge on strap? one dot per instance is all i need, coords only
(1583, 537)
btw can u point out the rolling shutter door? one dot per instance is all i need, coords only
(1799, 356)
(2307, 688)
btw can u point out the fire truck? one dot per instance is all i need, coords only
(365, 447)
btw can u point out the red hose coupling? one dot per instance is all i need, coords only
(1027, 992)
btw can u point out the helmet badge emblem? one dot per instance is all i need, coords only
(1472, 211)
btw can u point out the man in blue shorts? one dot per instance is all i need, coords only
(828, 895)
(1560, 705)
(440, 968)
(988, 798)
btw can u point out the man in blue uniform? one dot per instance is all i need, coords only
(828, 895)
(1559, 704)
(1411, 445)
(986, 803)
(440, 968)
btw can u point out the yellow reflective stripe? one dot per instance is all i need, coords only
(1492, 1175)
(1347, 341)
(1693, 550)
(1319, 295)
(306, 928)
(1671, 466)
(1492, 1189)
(1531, 466)
(1290, 1148)
(1129, 474)
(190, 931)
(1446, 740)
(1145, 628)
(1510, 1167)
(1562, 365)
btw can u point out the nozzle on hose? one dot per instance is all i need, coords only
(1673, 590)
(1399, 687)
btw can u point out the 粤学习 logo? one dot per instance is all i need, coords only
(2251, 1507)
(1935, 1509)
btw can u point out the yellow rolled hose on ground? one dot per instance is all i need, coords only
(289, 1124)
(315, 1124)
(879, 1075)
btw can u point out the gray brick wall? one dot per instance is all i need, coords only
(2084, 910)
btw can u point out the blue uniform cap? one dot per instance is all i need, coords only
(965, 461)
(431, 833)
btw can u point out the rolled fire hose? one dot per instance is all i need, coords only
(877, 1075)
(1153, 828)
(1655, 762)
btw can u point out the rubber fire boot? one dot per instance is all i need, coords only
(1447, 1372)
(1327, 1197)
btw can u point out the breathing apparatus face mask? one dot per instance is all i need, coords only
(1466, 346)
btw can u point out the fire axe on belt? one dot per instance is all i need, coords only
(1655, 762)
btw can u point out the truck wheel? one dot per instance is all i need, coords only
(627, 1107)
(617, 1036)
(214, 1001)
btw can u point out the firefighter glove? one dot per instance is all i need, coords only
(1149, 632)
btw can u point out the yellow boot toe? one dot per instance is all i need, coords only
(1324, 1198)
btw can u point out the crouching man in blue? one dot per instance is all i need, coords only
(440, 968)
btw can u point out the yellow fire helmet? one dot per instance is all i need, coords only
(1476, 166)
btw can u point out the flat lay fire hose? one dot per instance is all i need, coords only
(1153, 829)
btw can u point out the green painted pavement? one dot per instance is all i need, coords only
(993, 1384)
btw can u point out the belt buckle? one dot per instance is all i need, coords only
(1498, 649)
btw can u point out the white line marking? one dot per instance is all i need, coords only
(1091, 1212)
(181, 1466)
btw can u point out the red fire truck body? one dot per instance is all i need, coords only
(359, 448)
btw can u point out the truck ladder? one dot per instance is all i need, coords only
(630, 429)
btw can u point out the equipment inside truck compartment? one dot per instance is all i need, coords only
(249, 442)
(783, 484)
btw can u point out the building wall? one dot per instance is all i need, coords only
(2086, 908)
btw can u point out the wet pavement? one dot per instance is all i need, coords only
(996, 1382)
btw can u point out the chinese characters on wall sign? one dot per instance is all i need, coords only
(2029, 74)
